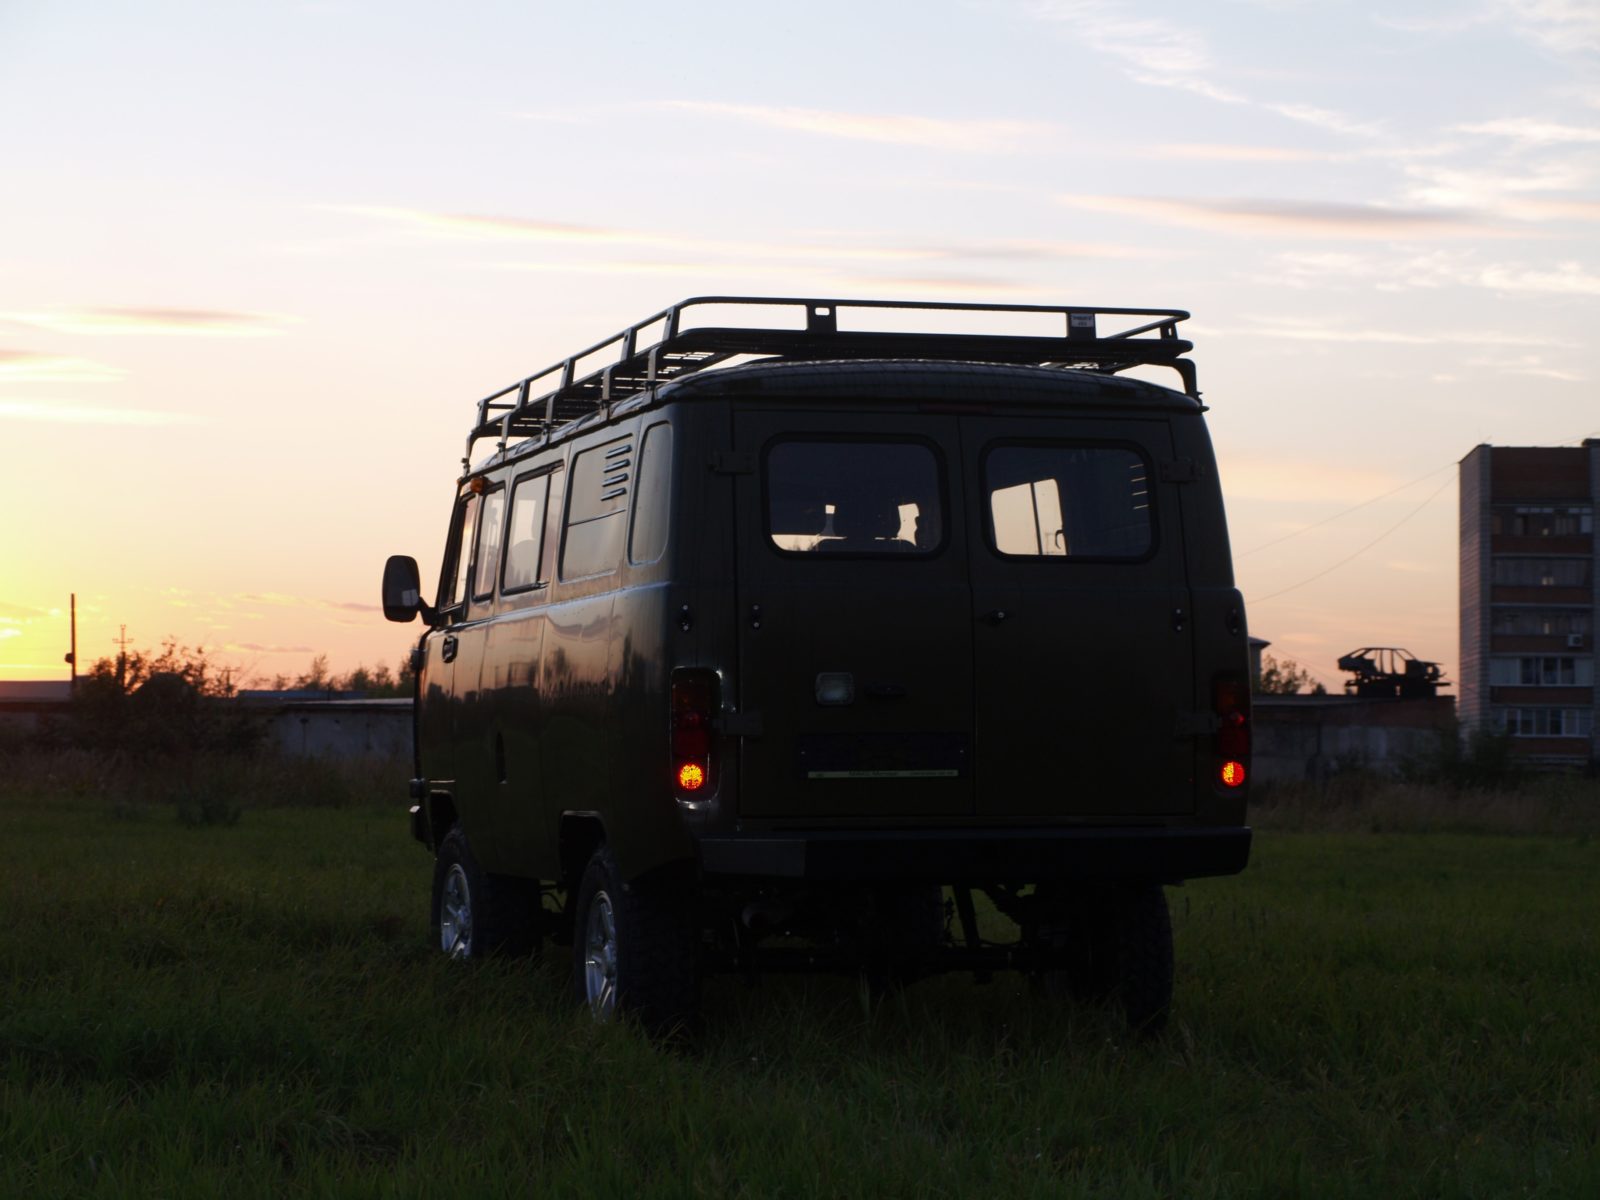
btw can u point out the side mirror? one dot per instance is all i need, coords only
(402, 588)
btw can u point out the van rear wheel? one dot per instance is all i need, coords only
(1116, 945)
(635, 948)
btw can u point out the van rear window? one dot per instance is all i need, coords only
(840, 497)
(1064, 501)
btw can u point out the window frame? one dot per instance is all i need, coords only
(851, 438)
(985, 498)
(632, 442)
(545, 472)
(484, 496)
(633, 506)
(459, 538)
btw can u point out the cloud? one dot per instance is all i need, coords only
(53, 412)
(25, 366)
(1325, 118)
(1213, 152)
(1152, 50)
(1529, 131)
(1428, 271)
(1160, 53)
(259, 648)
(928, 133)
(20, 612)
(1567, 279)
(282, 600)
(1292, 218)
(184, 322)
(1302, 329)
(1564, 26)
(1532, 365)
(813, 251)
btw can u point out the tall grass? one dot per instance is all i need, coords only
(1541, 804)
(253, 1010)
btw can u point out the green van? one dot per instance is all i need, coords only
(772, 630)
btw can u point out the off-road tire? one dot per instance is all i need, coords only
(905, 932)
(504, 913)
(1116, 945)
(654, 956)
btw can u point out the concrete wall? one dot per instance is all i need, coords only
(1314, 737)
(342, 728)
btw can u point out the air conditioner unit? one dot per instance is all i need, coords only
(1574, 641)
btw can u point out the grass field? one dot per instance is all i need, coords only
(251, 1009)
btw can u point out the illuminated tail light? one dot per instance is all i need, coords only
(1231, 702)
(694, 705)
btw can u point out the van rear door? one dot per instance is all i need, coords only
(1084, 663)
(854, 616)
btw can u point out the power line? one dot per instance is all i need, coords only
(1345, 512)
(1357, 553)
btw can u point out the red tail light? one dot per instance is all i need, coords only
(694, 706)
(1231, 702)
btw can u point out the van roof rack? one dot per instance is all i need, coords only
(666, 346)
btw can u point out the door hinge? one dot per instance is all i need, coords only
(1179, 470)
(733, 462)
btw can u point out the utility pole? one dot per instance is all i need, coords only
(72, 652)
(122, 657)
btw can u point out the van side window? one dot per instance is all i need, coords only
(488, 556)
(652, 495)
(597, 510)
(1065, 501)
(527, 531)
(461, 543)
(837, 497)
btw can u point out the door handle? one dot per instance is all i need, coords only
(447, 651)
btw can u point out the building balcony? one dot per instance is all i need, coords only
(1577, 544)
(1537, 643)
(1505, 593)
(1543, 697)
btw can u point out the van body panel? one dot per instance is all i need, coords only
(1083, 663)
(886, 624)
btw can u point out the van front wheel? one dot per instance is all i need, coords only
(635, 948)
(476, 914)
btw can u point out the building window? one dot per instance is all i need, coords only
(1543, 722)
(1546, 670)
(1549, 521)
(1541, 572)
(1535, 622)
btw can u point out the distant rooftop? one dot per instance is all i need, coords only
(35, 689)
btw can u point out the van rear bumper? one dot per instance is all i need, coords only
(983, 856)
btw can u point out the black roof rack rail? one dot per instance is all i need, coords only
(642, 355)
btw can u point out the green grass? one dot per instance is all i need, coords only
(252, 1009)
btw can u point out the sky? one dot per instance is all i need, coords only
(259, 261)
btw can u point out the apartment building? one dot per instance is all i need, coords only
(1529, 550)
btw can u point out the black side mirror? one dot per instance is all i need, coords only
(402, 589)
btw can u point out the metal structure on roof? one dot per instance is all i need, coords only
(669, 345)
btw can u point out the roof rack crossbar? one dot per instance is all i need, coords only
(562, 392)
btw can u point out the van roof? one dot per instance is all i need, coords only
(900, 379)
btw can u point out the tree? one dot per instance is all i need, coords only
(1286, 678)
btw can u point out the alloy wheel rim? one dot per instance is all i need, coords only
(455, 914)
(600, 957)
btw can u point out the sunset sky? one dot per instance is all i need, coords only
(258, 261)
